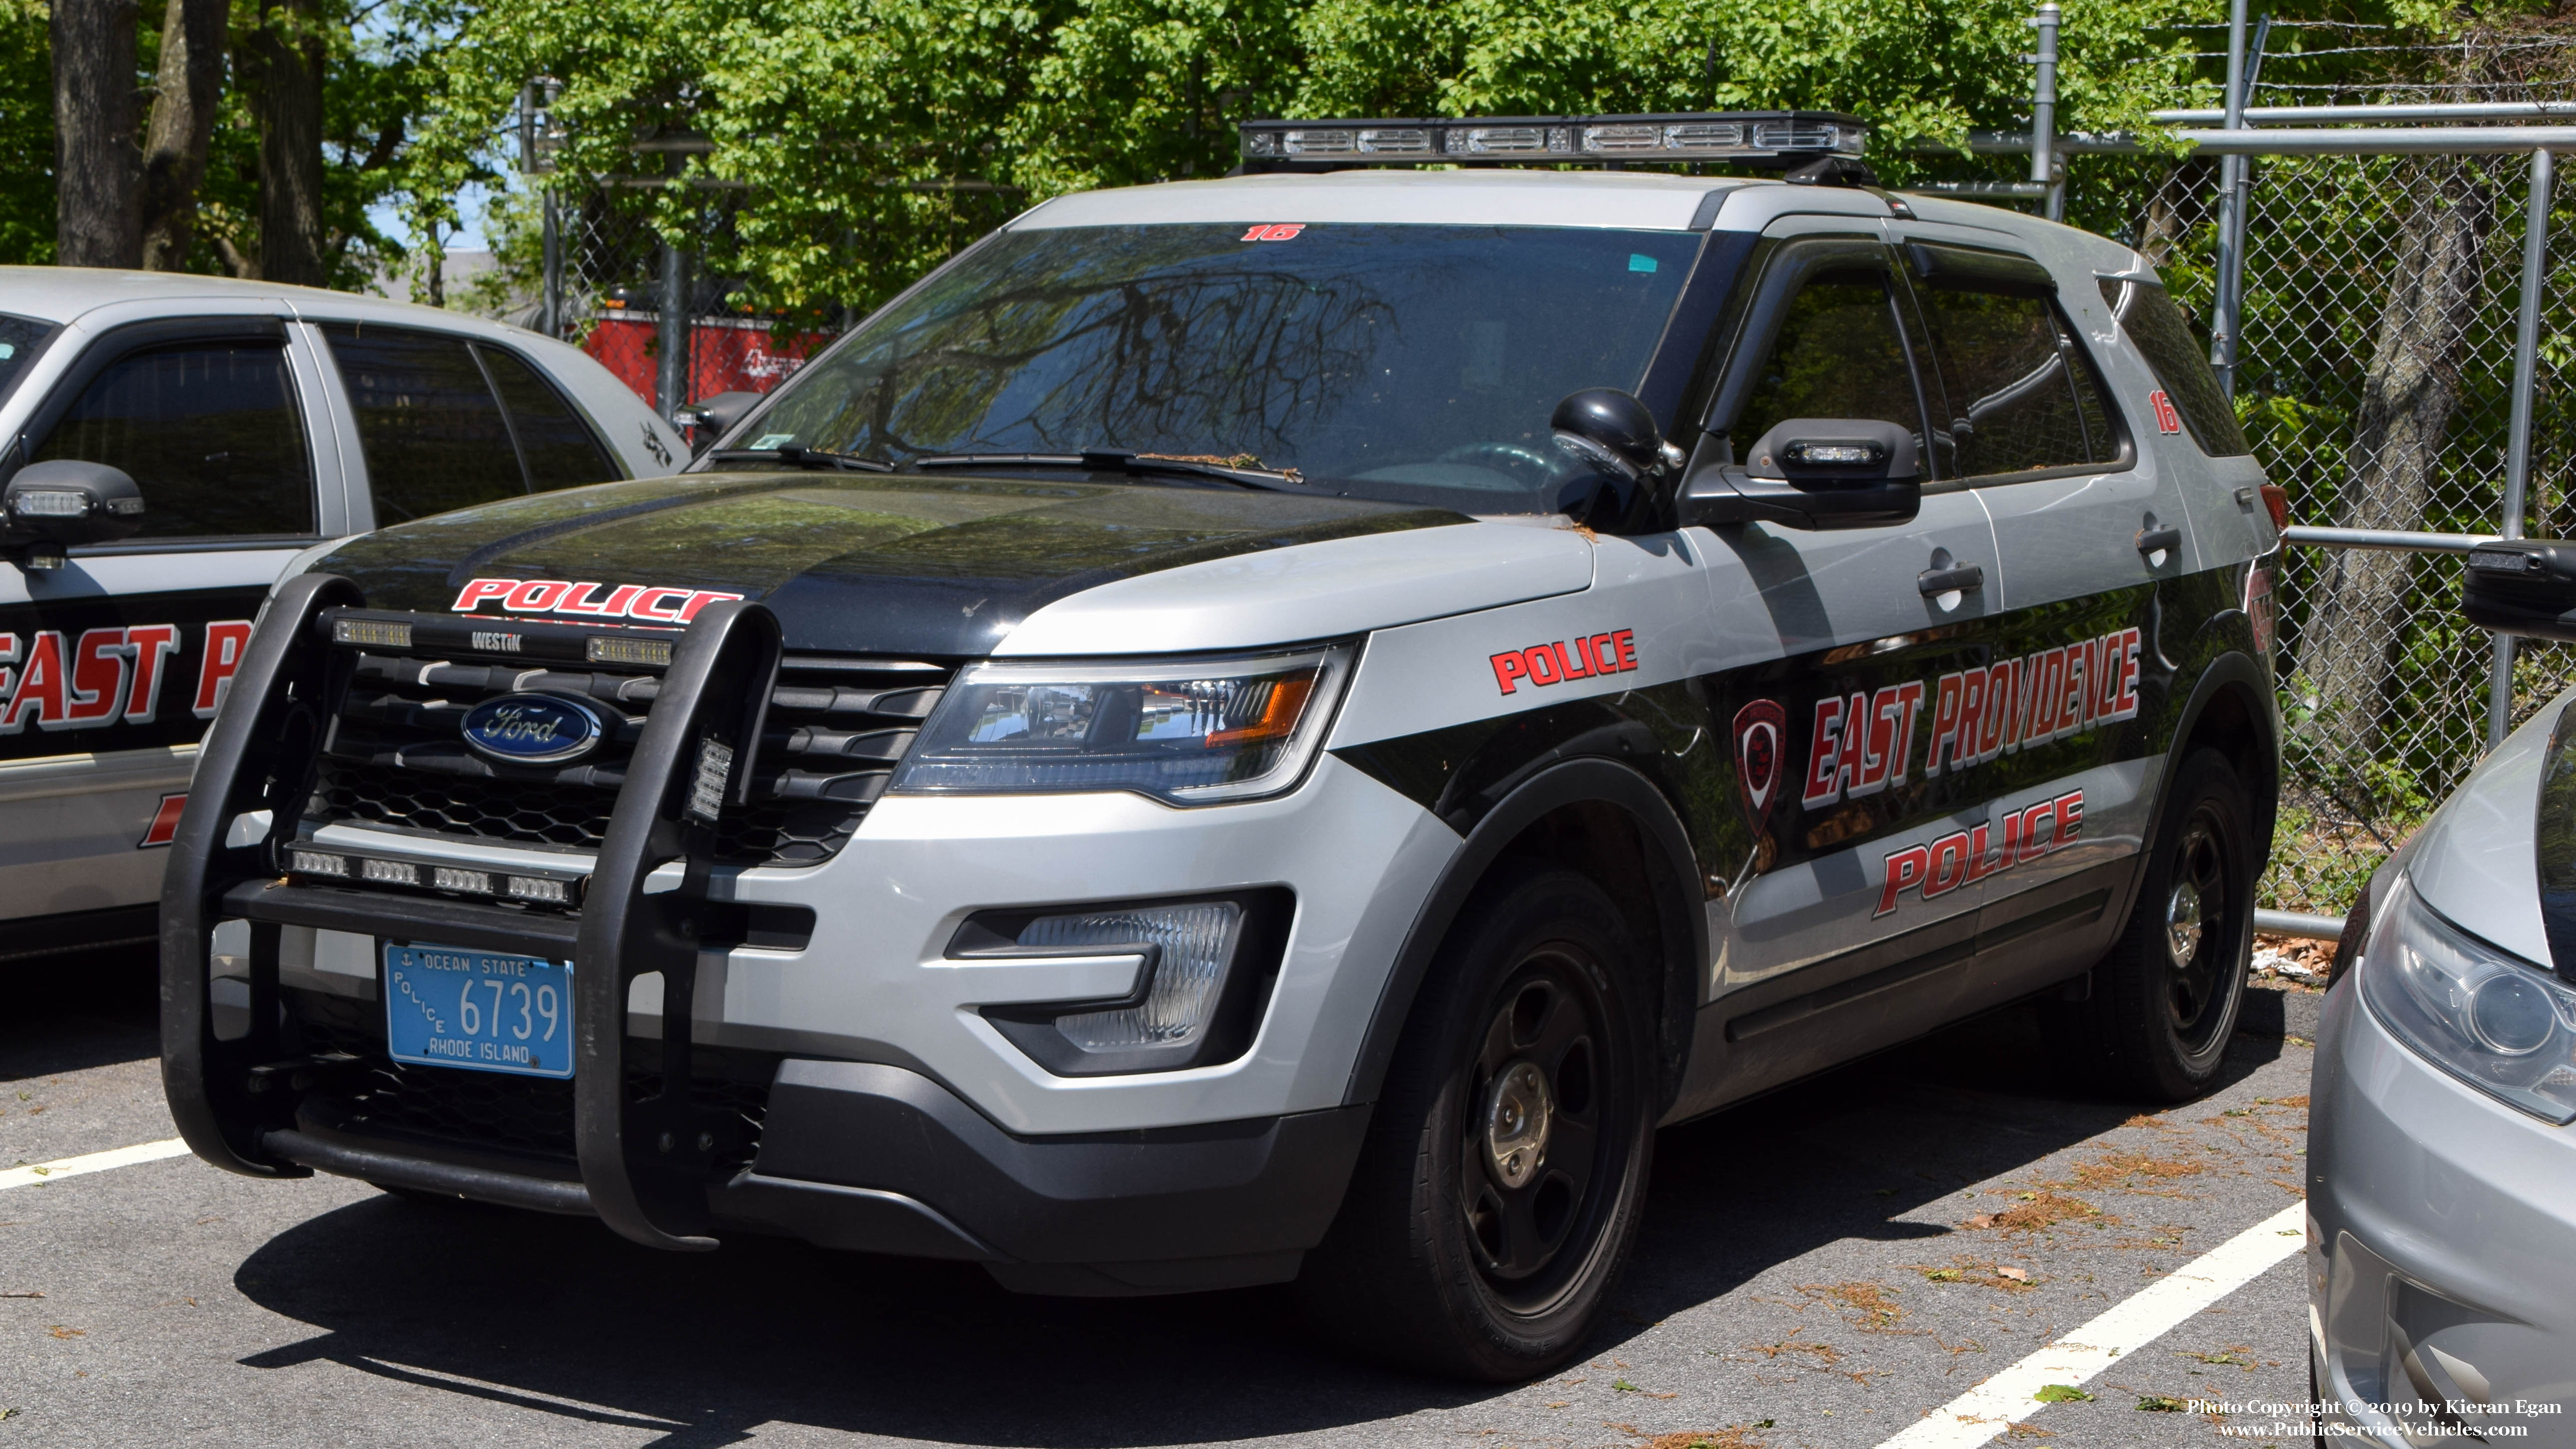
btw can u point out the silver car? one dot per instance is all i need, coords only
(2442, 1186)
(236, 425)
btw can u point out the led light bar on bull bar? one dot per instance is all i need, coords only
(1746, 136)
(541, 887)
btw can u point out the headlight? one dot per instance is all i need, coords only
(1189, 732)
(2492, 1020)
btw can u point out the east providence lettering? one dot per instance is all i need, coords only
(1863, 743)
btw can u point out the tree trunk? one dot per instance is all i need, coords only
(2348, 646)
(289, 56)
(96, 221)
(190, 85)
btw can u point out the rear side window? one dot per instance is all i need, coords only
(434, 436)
(2022, 396)
(437, 431)
(209, 432)
(559, 447)
(2180, 362)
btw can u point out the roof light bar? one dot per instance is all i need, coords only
(1744, 136)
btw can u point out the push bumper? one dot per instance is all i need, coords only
(851, 1155)
(2441, 1250)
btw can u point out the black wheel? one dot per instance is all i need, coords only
(2165, 999)
(1498, 1194)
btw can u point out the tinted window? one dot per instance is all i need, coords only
(434, 435)
(1395, 361)
(2180, 361)
(559, 447)
(209, 433)
(2021, 393)
(1838, 354)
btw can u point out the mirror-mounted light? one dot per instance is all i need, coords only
(50, 506)
(2522, 586)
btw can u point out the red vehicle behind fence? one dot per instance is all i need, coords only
(725, 354)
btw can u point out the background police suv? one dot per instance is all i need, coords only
(1215, 741)
(252, 421)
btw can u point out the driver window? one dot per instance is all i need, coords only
(209, 432)
(1839, 354)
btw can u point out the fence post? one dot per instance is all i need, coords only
(671, 375)
(2043, 113)
(2517, 458)
(2231, 204)
(552, 322)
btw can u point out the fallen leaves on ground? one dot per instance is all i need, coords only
(1874, 1311)
(2062, 1394)
(2160, 1404)
(2040, 1210)
(2121, 1168)
(1733, 1436)
(2240, 1355)
(58, 1331)
(1825, 1354)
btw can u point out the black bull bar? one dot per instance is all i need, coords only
(645, 1160)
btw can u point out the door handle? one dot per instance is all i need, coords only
(2160, 540)
(1963, 578)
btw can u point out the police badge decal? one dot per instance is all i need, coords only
(1761, 743)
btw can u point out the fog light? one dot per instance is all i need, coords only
(314, 862)
(449, 878)
(1197, 941)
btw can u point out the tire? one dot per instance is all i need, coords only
(1465, 1247)
(2166, 997)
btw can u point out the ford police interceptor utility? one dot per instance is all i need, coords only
(1272, 729)
(171, 442)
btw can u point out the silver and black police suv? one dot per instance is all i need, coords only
(172, 443)
(1273, 729)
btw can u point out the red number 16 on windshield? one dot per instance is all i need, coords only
(1275, 231)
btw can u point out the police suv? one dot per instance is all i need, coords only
(171, 442)
(1273, 729)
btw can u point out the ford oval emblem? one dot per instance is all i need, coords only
(533, 729)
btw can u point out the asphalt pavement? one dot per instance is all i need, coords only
(1824, 1267)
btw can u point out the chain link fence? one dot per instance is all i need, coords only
(2376, 381)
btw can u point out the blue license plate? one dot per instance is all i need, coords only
(446, 1006)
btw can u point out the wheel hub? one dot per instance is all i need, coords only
(1519, 1109)
(2182, 923)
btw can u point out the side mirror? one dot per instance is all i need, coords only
(1815, 473)
(48, 507)
(1605, 425)
(2522, 586)
(710, 419)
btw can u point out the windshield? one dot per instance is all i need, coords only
(1415, 363)
(20, 340)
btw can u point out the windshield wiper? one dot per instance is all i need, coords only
(1243, 470)
(796, 457)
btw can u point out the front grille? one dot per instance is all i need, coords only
(395, 756)
(376, 1096)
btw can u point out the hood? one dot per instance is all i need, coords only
(954, 566)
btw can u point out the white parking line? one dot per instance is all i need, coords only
(2006, 1399)
(91, 1162)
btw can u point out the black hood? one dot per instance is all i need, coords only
(851, 563)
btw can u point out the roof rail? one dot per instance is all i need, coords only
(1770, 139)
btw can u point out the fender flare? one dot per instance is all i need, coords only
(1673, 870)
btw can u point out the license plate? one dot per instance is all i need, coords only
(446, 1006)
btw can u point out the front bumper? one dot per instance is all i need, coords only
(842, 1088)
(2441, 1249)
